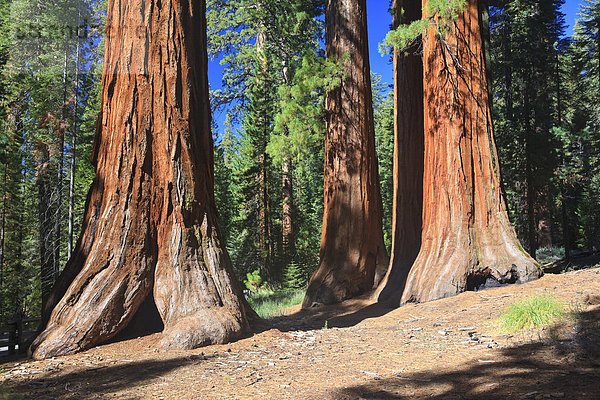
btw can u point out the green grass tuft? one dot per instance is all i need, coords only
(271, 303)
(532, 312)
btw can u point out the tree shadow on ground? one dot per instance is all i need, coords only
(98, 381)
(6, 358)
(343, 315)
(554, 368)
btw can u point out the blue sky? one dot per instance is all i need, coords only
(379, 21)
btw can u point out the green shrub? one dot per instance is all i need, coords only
(253, 281)
(536, 311)
(547, 255)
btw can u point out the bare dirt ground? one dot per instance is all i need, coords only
(447, 349)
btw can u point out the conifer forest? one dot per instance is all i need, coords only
(194, 167)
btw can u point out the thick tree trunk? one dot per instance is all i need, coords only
(352, 248)
(467, 237)
(408, 158)
(150, 222)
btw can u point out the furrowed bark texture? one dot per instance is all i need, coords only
(150, 221)
(467, 237)
(352, 247)
(408, 158)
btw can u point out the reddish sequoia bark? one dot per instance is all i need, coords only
(408, 158)
(467, 237)
(150, 221)
(352, 247)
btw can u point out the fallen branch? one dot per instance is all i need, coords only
(496, 297)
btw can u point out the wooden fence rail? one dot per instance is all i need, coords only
(14, 334)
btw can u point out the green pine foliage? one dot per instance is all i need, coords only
(299, 125)
(524, 53)
(441, 15)
(275, 115)
(383, 104)
(582, 165)
(546, 121)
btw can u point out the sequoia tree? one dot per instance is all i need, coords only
(352, 247)
(408, 157)
(150, 227)
(467, 238)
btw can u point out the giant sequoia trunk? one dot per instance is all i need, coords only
(352, 247)
(408, 158)
(150, 223)
(467, 237)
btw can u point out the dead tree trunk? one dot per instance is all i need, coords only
(467, 237)
(408, 158)
(150, 222)
(352, 247)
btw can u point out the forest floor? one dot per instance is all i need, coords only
(448, 349)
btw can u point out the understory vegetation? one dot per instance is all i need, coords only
(533, 312)
(269, 303)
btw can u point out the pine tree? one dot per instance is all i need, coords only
(524, 69)
(262, 45)
(580, 134)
